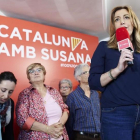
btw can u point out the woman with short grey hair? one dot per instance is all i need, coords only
(65, 88)
(78, 70)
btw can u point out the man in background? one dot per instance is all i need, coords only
(84, 108)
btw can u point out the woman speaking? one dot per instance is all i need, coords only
(118, 81)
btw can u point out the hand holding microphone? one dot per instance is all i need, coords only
(126, 56)
(125, 45)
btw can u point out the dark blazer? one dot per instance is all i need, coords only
(9, 133)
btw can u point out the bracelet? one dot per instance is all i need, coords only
(110, 75)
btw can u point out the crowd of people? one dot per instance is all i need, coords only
(44, 113)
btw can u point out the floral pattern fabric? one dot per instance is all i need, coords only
(30, 104)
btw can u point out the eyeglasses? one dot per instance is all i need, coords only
(64, 87)
(34, 71)
(85, 72)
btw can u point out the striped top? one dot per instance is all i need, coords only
(84, 112)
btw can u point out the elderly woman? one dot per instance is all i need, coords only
(84, 107)
(7, 86)
(65, 88)
(40, 110)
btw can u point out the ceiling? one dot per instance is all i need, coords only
(84, 16)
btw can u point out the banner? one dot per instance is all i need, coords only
(59, 50)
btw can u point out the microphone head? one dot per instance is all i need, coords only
(121, 34)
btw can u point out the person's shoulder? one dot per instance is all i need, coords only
(52, 89)
(49, 87)
(70, 98)
(95, 92)
(103, 44)
(25, 91)
(73, 94)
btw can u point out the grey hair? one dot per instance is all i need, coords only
(65, 81)
(78, 70)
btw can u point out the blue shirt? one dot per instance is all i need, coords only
(84, 112)
(125, 89)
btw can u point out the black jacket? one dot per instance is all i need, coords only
(9, 133)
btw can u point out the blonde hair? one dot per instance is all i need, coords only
(31, 66)
(112, 43)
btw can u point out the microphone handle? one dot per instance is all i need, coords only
(130, 62)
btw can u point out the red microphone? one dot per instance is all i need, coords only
(123, 39)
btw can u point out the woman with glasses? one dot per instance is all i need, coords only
(65, 88)
(40, 110)
(7, 86)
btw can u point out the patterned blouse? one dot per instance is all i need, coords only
(30, 108)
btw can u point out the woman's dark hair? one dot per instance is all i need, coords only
(7, 75)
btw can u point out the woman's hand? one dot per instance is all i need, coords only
(126, 55)
(55, 130)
